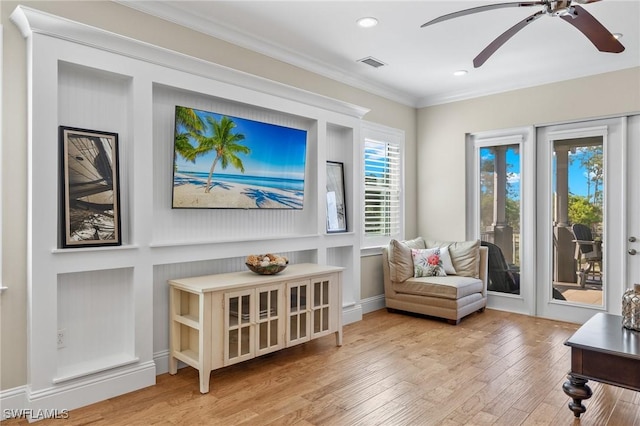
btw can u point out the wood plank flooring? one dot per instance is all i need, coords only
(393, 369)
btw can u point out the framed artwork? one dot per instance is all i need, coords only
(89, 188)
(336, 205)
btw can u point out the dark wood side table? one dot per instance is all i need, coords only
(604, 351)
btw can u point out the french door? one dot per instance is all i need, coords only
(573, 242)
(581, 218)
(502, 183)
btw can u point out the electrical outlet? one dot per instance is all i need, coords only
(61, 338)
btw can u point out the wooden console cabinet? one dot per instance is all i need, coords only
(219, 320)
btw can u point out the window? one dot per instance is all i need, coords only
(382, 182)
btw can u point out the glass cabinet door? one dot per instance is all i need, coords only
(298, 324)
(321, 298)
(269, 319)
(239, 321)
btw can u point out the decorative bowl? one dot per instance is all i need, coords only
(266, 264)
(266, 270)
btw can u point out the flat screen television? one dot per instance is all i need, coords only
(226, 162)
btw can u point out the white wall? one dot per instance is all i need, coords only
(442, 130)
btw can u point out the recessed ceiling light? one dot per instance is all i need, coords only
(460, 73)
(617, 35)
(367, 22)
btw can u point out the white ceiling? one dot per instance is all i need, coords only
(322, 36)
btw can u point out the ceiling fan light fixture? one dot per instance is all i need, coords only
(460, 73)
(617, 36)
(367, 22)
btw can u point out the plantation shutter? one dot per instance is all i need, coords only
(382, 192)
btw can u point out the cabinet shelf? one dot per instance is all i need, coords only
(188, 320)
(188, 356)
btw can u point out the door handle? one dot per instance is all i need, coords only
(632, 239)
(632, 251)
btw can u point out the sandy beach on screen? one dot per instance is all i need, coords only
(234, 195)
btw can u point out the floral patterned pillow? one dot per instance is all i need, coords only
(427, 263)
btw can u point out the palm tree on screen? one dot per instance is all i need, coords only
(225, 143)
(188, 125)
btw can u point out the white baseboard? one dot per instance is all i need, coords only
(374, 303)
(13, 402)
(351, 313)
(58, 400)
(161, 359)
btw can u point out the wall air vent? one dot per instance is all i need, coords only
(376, 63)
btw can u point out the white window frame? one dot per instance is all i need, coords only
(383, 134)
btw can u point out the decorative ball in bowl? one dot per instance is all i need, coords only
(266, 264)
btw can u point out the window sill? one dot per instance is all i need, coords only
(371, 251)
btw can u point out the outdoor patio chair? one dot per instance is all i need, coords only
(502, 277)
(587, 251)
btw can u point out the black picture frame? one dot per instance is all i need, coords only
(336, 200)
(89, 188)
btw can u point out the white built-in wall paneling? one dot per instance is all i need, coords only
(112, 302)
(343, 256)
(94, 99)
(340, 148)
(95, 333)
(175, 226)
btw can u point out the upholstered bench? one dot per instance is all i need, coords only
(459, 291)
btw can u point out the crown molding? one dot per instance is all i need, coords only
(31, 21)
(535, 81)
(220, 30)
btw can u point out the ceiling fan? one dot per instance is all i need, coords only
(575, 15)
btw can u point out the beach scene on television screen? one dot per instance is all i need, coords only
(221, 161)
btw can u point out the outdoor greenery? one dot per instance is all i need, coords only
(587, 209)
(583, 211)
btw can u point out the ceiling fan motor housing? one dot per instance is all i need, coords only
(560, 8)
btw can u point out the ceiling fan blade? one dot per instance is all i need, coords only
(601, 38)
(502, 39)
(483, 9)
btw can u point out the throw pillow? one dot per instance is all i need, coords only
(465, 256)
(400, 260)
(427, 263)
(447, 264)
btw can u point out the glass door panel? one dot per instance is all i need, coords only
(298, 315)
(577, 228)
(500, 215)
(269, 320)
(321, 306)
(239, 323)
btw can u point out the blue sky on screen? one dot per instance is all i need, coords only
(276, 151)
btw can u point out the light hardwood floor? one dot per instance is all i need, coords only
(393, 369)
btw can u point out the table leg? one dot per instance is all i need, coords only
(577, 389)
